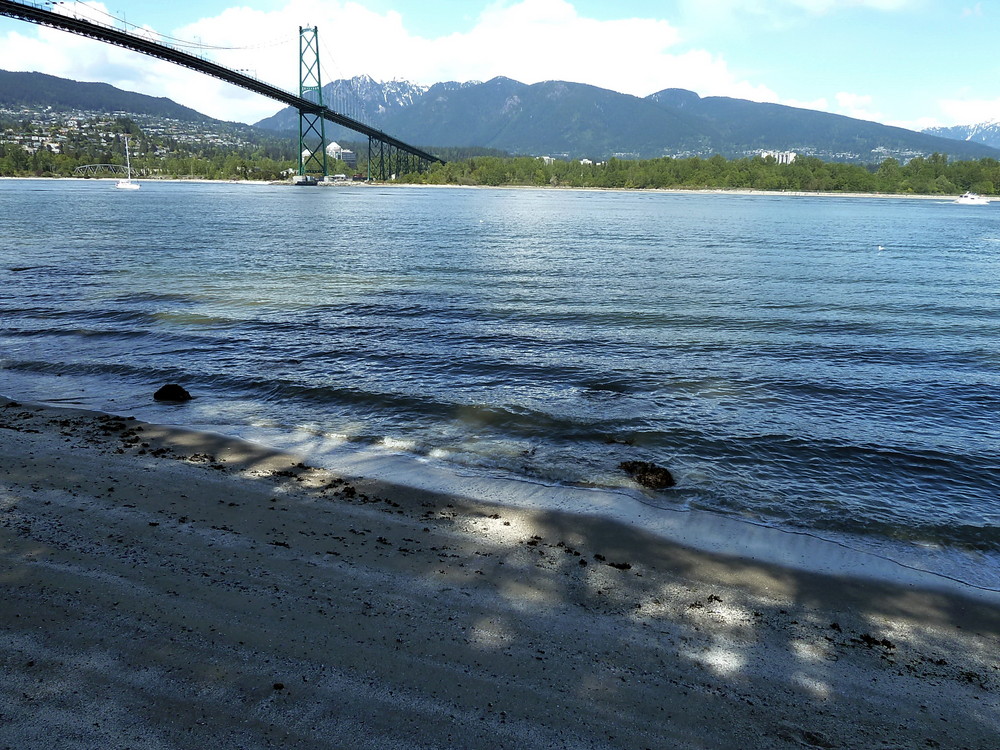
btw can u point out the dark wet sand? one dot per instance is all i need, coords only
(170, 589)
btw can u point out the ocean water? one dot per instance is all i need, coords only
(819, 364)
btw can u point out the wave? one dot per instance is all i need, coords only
(780, 373)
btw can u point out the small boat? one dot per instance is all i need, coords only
(127, 183)
(972, 199)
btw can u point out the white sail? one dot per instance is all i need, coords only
(127, 183)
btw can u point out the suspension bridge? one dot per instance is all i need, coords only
(387, 155)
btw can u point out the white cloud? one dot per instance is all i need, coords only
(529, 40)
(921, 123)
(779, 8)
(857, 106)
(821, 104)
(59, 53)
(952, 112)
(710, 18)
(826, 6)
(970, 111)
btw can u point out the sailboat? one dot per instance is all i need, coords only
(127, 183)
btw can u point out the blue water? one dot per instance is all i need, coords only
(763, 348)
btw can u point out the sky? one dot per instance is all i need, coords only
(912, 63)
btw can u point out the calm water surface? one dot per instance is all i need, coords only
(765, 349)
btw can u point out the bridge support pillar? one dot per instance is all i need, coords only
(312, 127)
(376, 160)
(387, 162)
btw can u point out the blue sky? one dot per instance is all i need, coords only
(913, 63)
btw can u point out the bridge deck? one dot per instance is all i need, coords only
(37, 14)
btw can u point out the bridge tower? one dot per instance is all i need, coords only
(312, 127)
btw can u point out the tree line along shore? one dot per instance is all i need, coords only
(931, 175)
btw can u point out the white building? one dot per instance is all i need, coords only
(335, 151)
(781, 157)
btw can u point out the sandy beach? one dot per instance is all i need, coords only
(172, 589)
(680, 191)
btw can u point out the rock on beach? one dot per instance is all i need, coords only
(172, 392)
(648, 474)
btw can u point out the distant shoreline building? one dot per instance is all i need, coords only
(780, 157)
(335, 151)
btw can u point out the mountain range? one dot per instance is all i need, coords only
(983, 132)
(576, 120)
(71, 117)
(41, 90)
(553, 118)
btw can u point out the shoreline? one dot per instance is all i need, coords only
(168, 587)
(668, 191)
(803, 550)
(683, 191)
(200, 180)
(952, 570)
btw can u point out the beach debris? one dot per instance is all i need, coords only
(648, 474)
(973, 678)
(871, 641)
(172, 392)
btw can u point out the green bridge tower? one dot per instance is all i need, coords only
(312, 127)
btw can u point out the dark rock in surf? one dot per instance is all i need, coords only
(172, 392)
(648, 475)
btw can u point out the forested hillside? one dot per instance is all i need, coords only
(40, 90)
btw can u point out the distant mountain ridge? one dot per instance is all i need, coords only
(40, 89)
(987, 133)
(555, 118)
(73, 119)
(578, 120)
(361, 97)
(749, 126)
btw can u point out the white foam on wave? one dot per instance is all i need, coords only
(397, 444)
(905, 565)
(391, 460)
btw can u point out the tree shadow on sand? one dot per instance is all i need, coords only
(227, 594)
